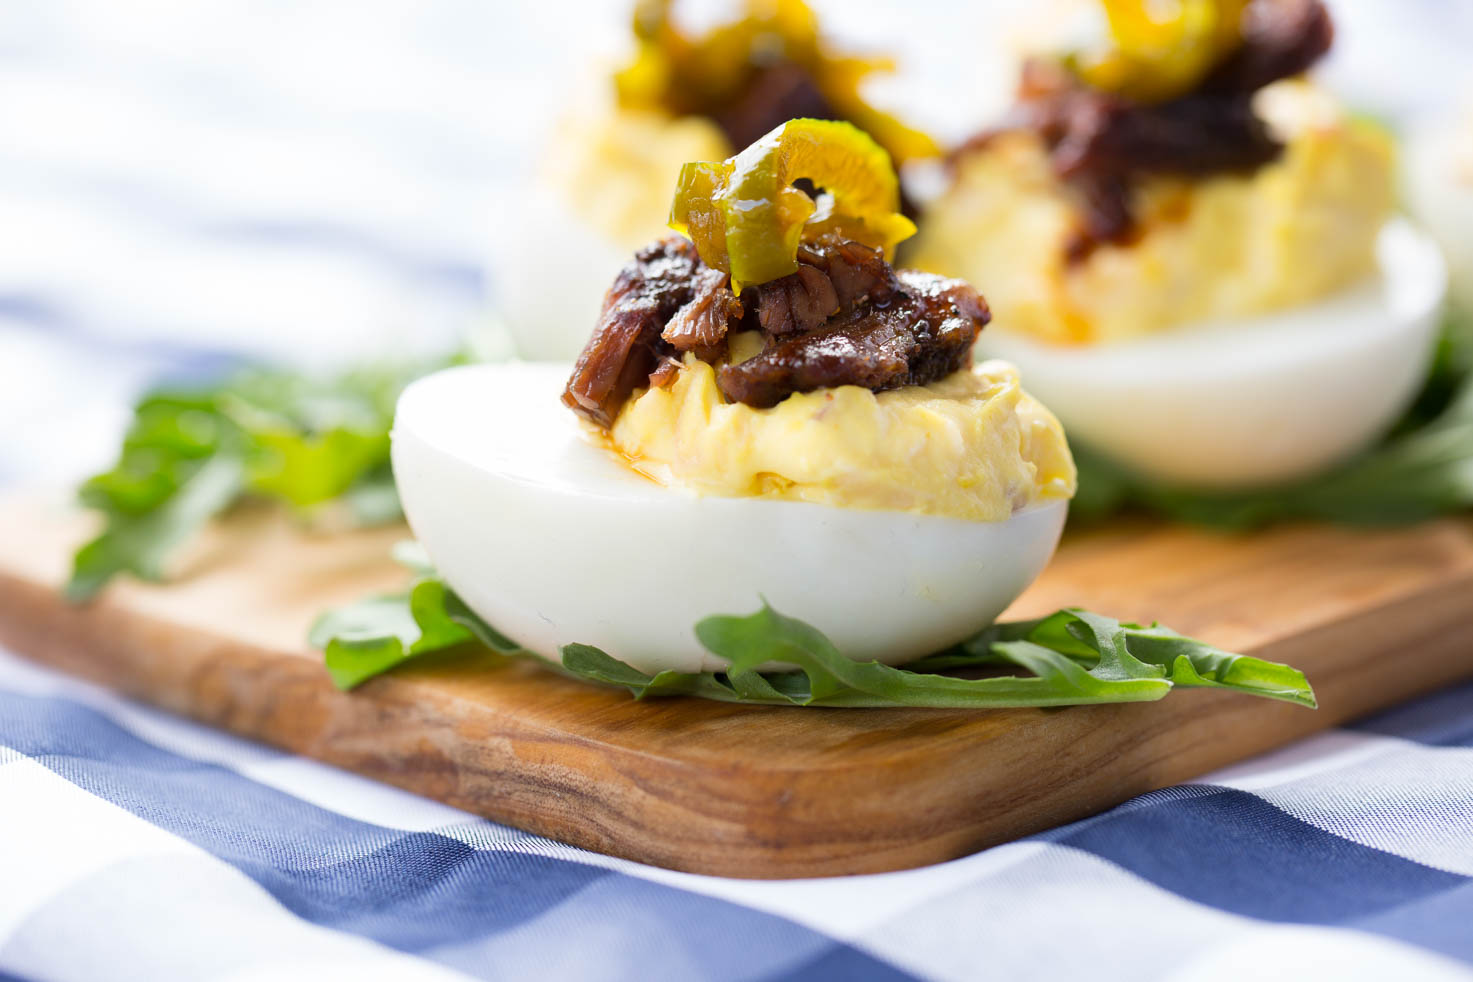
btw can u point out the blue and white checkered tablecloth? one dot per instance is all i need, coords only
(183, 184)
(137, 846)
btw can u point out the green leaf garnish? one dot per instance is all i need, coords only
(1073, 657)
(191, 454)
(139, 542)
(377, 634)
(1423, 469)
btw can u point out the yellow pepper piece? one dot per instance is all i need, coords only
(1163, 48)
(746, 217)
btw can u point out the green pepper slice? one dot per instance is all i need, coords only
(746, 216)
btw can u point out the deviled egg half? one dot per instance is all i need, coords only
(765, 410)
(606, 173)
(1190, 252)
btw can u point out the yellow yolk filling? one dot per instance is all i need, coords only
(1225, 247)
(973, 446)
(616, 167)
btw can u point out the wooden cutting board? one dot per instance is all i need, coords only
(1373, 618)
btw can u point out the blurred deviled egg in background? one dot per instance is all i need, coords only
(1437, 184)
(1190, 250)
(604, 178)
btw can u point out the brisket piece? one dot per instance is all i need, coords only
(626, 344)
(701, 324)
(1281, 39)
(1195, 136)
(921, 334)
(834, 275)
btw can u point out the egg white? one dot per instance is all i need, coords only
(553, 540)
(1231, 405)
(550, 269)
(1437, 184)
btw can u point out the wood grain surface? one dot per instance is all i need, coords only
(1373, 618)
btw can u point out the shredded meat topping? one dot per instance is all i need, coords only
(702, 322)
(844, 318)
(798, 302)
(834, 275)
(859, 274)
(1099, 143)
(1281, 38)
(626, 345)
(923, 334)
(664, 374)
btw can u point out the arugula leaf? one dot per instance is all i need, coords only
(1085, 637)
(376, 634)
(1074, 657)
(1424, 468)
(140, 542)
(191, 454)
(594, 665)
